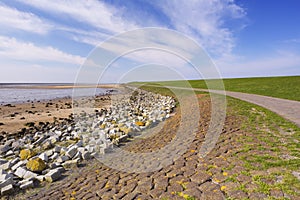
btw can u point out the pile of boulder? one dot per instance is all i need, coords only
(45, 155)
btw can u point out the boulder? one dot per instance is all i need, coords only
(20, 172)
(7, 189)
(44, 157)
(52, 175)
(36, 165)
(26, 185)
(6, 182)
(71, 152)
(26, 154)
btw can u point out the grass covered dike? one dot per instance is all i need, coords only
(268, 149)
(287, 87)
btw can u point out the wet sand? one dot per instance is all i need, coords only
(14, 117)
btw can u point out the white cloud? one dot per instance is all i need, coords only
(36, 73)
(93, 12)
(279, 63)
(12, 49)
(12, 18)
(204, 20)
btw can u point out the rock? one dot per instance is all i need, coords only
(7, 190)
(41, 178)
(40, 140)
(140, 123)
(36, 165)
(29, 174)
(52, 175)
(26, 154)
(5, 166)
(9, 153)
(81, 149)
(54, 139)
(4, 148)
(70, 163)
(2, 171)
(71, 152)
(26, 185)
(49, 152)
(6, 182)
(78, 155)
(54, 165)
(20, 172)
(3, 177)
(19, 164)
(44, 157)
(54, 156)
(86, 155)
(47, 144)
(61, 159)
(14, 161)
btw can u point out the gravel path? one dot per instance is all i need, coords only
(288, 109)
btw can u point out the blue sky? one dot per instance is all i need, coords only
(48, 41)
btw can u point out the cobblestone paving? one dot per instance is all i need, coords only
(220, 175)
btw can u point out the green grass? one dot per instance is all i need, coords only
(281, 87)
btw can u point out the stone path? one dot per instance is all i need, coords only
(288, 109)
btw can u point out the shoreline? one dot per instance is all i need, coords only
(15, 116)
(60, 86)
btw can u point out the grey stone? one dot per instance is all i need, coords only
(17, 165)
(71, 152)
(77, 155)
(44, 157)
(3, 177)
(20, 172)
(7, 189)
(49, 152)
(4, 148)
(86, 155)
(54, 165)
(2, 171)
(9, 153)
(41, 178)
(29, 174)
(26, 185)
(40, 140)
(52, 175)
(81, 149)
(6, 166)
(6, 182)
(61, 159)
(54, 156)
(70, 163)
(14, 161)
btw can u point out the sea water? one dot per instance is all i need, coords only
(21, 93)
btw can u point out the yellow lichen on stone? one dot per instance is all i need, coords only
(223, 187)
(140, 123)
(36, 165)
(102, 126)
(26, 154)
(125, 129)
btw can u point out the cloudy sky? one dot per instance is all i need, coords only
(49, 40)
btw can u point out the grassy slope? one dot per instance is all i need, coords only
(280, 87)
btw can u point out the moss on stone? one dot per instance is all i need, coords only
(26, 154)
(36, 165)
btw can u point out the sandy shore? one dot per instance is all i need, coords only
(65, 86)
(14, 117)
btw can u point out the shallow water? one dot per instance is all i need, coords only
(10, 93)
